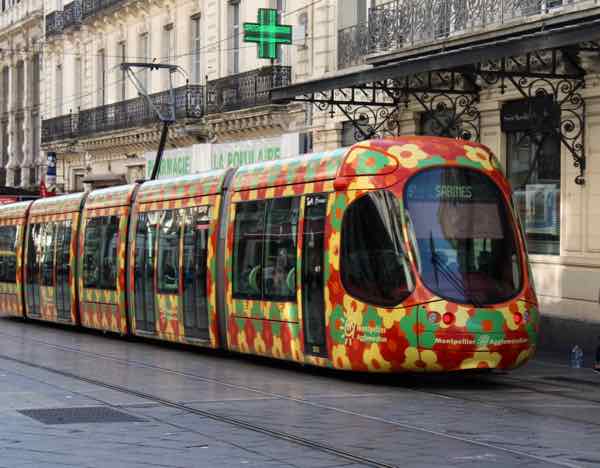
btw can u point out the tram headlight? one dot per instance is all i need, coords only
(448, 318)
(518, 318)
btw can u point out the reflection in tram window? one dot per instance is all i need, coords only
(279, 273)
(8, 254)
(248, 249)
(374, 265)
(100, 252)
(48, 243)
(168, 252)
(465, 239)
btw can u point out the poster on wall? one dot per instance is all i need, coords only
(542, 210)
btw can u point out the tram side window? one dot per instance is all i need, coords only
(48, 244)
(248, 249)
(279, 274)
(168, 252)
(8, 254)
(374, 266)
(100, 252)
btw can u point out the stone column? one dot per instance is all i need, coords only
(11, 149)
(27, 164)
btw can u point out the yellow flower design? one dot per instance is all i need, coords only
(480, 156)
(408, 155)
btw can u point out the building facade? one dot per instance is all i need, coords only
(21, 46)
(94, 116)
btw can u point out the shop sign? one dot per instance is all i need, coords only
(534, 114)
(175, 162)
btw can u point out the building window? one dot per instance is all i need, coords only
(168, 51)
(58, 92)
(234, 36)
(534, 170)
(35, 65)
(121, 76)
(196, 64)
(101, 77)
(144, 53)
(351, 134)
(352, 12)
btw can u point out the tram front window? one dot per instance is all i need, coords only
(464, 236)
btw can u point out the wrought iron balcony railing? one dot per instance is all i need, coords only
(406, 23)
(246, 90)
(91, 7)
(72, 14)
(60, 128)
(137, 112)
(54, 23)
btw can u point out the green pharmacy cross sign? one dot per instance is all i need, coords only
(267, 33)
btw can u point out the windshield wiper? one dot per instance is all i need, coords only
(450, 276)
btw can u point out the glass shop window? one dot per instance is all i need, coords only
(534, 170)
(168, 252)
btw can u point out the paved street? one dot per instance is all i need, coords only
(121, 403)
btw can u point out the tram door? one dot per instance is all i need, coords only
(145, 242)
(195, 248)
(63, 269)
(313, 301)
(32, 286)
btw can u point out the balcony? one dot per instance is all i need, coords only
(244, 90)
(60, 128)
(72, 14)
(92, 7)
(18, 11)
(54, 23)
(236, 92)
(407, 23)
(401, 24)
(122, 115)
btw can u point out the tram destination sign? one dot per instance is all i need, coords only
(267, 33)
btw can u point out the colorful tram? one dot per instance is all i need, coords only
(392, 255)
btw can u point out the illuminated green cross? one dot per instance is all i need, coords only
(267, 33)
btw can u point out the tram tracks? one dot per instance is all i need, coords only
(281, 435)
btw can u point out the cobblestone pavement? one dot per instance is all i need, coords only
(131, 403)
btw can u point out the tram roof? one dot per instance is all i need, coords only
(14, 210)
(60, 204)
(110, 197)
(297, 170)
(195, 185)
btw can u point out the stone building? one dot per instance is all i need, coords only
(21, 40)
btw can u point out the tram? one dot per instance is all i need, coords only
(392, 255)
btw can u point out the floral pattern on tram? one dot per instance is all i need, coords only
(104, 308)
(181, 193)
(364, 337)
(11, 293)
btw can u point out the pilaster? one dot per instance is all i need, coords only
(13, 163)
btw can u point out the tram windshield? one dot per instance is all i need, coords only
(463, 235)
